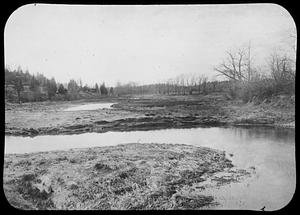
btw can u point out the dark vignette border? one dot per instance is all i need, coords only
(9, 7)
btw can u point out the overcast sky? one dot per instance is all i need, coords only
(144, 44)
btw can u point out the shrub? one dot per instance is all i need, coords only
(260, 90)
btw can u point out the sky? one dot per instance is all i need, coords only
(140, 43)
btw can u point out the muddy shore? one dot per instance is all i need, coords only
(144, 113)
(127, 176)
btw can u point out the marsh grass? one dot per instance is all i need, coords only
(127, 176)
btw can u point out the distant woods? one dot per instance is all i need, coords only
(185, 84)
(245, 81)
(22, 86)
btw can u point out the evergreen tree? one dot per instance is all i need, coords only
(97, 88)
(51, 88)
(18, 85)
(72, 86)
(61, 89)
(85, 88)
(103, 89)
(111, 91)
(34, 84)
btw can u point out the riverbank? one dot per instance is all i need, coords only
(126, 176)
(145, 113)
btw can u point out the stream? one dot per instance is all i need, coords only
(270, 150)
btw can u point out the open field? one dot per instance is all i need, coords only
(145, 113)
(129, 176)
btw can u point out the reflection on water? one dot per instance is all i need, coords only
(276, 134)
(271, 151)
(90, 107)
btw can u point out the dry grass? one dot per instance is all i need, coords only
(145, 113)
(128, 176)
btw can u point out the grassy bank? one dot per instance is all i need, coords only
(128, 176)
(146, 113)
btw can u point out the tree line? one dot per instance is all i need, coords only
(21, 86)
(248, 82)
(184, 84)
(243, 80)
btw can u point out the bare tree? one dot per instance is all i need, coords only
(249, 69)
(182, 83)
(281, 68)
(235, 67)
(177, 82)
(199, 78)
(169, 86)
(187, 82)
(204, 84)
(193, 83)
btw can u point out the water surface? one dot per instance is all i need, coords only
(90, 107)
(271, 151)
